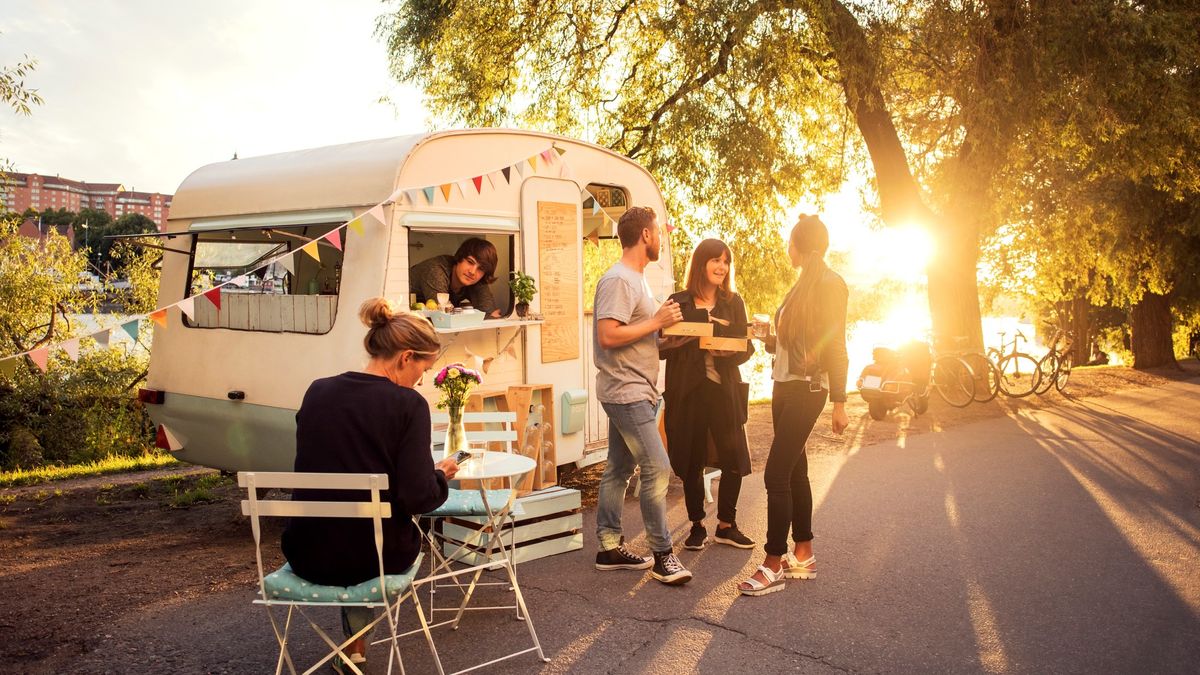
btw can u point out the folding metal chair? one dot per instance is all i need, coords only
(284, 587)
(469, 503)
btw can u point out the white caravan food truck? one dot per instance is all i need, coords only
(224, 385)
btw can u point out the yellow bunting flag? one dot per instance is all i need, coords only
(311, 249)
(159, 317)
(41, 358)
(8, 367)
(446, 191)
(533, 162)
(560, 151)
(356, 225)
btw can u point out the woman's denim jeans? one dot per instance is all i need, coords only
(633, 441)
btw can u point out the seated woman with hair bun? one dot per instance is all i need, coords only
(464, 276)
(369, 421)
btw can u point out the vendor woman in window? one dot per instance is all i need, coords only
(464, 275)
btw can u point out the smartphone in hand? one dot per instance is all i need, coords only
(460, 456)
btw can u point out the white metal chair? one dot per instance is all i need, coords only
(284, 587)
(469, 503)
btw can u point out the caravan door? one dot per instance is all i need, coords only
(552, 238)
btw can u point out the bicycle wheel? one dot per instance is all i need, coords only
(1019, 375)
(1064, 372)
(987, 379)
(954, 381)
(1048, 371)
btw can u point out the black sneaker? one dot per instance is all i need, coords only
(732, 536)
(620, 558)
(697, 539)
(669, 570)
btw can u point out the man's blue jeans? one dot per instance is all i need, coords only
(633, 441)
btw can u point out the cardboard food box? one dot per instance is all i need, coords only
(730, 344)
(690, 329)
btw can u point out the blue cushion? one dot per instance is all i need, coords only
(284, 584)
(470, 503)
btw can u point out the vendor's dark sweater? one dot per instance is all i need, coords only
(361, 423)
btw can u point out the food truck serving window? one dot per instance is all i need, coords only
(434, 257)
(268, 298)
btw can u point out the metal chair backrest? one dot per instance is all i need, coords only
(507, 434)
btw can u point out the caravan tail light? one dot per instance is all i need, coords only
(151, 396)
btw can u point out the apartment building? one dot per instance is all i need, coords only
(30, 190)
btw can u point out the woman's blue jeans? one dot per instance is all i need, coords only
(633, 441)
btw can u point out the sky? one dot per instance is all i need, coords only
(144, 92)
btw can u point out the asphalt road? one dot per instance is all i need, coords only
(1064, 540)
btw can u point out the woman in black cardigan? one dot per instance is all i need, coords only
(705, 397)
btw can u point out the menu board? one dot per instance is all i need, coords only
(558, 279)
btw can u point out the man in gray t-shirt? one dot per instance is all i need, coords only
(626, 348)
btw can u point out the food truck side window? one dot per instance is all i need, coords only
(270, 298)
(431, 255)
(601, 247)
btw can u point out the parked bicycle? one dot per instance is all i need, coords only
(1019, 372)
(983, 370)
(953, 380)
(1055, 366)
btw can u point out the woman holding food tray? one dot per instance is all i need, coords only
(705, 399)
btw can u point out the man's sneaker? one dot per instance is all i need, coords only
(620, 558)
(669, 570)
(697, 539)
(732, 536)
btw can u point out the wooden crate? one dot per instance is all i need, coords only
(549, 522)
(543, 450)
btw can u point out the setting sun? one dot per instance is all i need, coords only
(900, 253)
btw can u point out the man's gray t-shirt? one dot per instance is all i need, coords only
(627, 374)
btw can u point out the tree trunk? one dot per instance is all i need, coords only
(953, 285)
(1150, 325)
(1080, 324)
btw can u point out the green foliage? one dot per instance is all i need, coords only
(523, 286)
(13, 90)
(37, 289)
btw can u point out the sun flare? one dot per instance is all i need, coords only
(900, 253)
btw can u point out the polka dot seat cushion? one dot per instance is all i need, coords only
(284, 584)
(470, 503)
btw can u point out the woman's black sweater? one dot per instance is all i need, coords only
(362, 423)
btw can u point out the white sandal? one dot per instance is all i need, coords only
(794, 569)
(774, 582)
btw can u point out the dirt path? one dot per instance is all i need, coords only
(76, 556)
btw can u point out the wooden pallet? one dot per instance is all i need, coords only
(550, 522)
(531, 440)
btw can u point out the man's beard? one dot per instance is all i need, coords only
(652, 252)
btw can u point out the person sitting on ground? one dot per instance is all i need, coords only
(464, 275)
(369, 421)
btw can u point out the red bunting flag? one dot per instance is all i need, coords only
(40, 357)
(214, 296)
(159, 317)
(335, 237)
(478, 181)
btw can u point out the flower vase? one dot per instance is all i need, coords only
(456, 433)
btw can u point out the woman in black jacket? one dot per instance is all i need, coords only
(369, 421)
(810, 366)
(705, 397)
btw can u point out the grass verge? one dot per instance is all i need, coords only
(45, 474)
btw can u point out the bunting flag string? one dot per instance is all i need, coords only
(132, 326)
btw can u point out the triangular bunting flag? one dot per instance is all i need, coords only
(164, 438)
(131, 327)
(560, 151)
(464, 187)
(289, 261)
(533, 163)
(159, 317)
(101, 338)
(446, 191)
(214, 296)
(376, 212)
(335, 237)
(670, 226)
(71, 347)
(520, 168)
(594, 237)
(40, 357)
(506, 171)
(565, 171)
(238, 281)
(595, 206)
(546, 156)
(356, 225)
(428, 195)
(8, 367)
(478, 181)
(311, 249)
(188, 307)
(412, 197)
